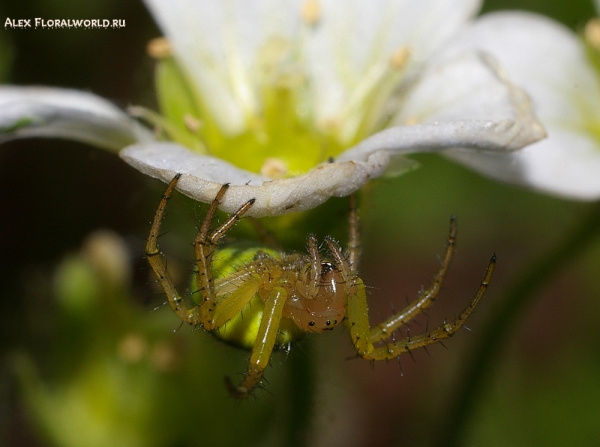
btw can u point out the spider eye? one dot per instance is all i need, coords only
(326, 267)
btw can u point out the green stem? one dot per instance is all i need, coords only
(302, 391)
(519, 297)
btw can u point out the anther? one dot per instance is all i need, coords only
(399, 58)
(311, 12)
(158, 48)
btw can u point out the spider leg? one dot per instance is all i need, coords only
(263, 346)
(357, 311)
(204, 246)
(354, 244)
(313, 252)
(157, 264)
(340, 260)
(233, 296)
(358, 321)
(425, 298)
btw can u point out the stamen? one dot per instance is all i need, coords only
(274, 168)
(399, 58)
(592, 32)
(311, 12)
(158, 48)
(192, 123)
(375, 84)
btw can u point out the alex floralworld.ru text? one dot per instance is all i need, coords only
(64, 23)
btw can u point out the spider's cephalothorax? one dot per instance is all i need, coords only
(261, 299)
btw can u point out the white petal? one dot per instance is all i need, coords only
(476, 135)
(204, 175)
(544, 167)
(218, 41)
(468, 86)
(354, 37)
(542, 56)
(464, 102)
(512, 126)
(355, 167)
(62, 113)
(549, 62)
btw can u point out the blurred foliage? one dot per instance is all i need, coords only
(573, 14)
(127, 378)
(79, 350)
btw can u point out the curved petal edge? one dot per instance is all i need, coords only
(63, 113)
(203, 176)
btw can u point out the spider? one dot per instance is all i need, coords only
(282, 296)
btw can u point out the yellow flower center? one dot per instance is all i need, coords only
(281, 135)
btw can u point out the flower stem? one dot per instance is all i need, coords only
(302, 390)
(518, 297)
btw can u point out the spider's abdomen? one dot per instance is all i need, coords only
(232, 267)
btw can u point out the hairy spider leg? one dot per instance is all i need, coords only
(358, 315)
(357, 311)
(227, 296)
(204, 246)
(358, 324)
(354, 243)
(424, 299)
(263, 346)
(235, 301)
(153, 255)
(313, 252)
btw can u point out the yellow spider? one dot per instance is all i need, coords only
(282, 296)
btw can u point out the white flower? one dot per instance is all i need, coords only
(292, 102)
(556, 69)
(60, 113)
